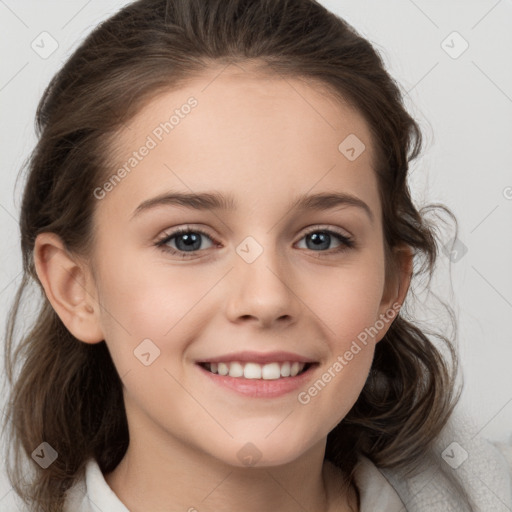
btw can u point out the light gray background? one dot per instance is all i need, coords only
(463, 104)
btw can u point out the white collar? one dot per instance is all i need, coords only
(375, 492)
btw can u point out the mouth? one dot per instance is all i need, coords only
(255, 371)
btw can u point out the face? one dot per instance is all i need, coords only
(257, 279)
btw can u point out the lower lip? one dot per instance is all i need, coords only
(260, 388)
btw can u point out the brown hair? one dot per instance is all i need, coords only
(68, 393)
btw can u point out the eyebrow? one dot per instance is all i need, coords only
(217, 201)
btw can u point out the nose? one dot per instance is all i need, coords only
(262, 291)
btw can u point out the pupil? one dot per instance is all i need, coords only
(320, 238)
(189, 241)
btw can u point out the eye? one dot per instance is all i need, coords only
(186, 240)
(320, 239)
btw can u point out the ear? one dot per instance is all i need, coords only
(396, 287)
(69, 287)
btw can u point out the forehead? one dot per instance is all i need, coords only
(250, 131)
(228, 96)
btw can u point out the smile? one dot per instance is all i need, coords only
(251, 370)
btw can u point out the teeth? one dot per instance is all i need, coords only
(285, 369)
(236, 370)
(252, 371)
(269, 371)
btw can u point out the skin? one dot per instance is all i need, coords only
(265, 140)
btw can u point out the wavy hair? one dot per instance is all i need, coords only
(68, 393)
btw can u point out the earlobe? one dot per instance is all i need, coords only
(68, 288)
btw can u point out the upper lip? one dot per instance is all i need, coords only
(258, 357)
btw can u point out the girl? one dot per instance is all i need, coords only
(217, 213)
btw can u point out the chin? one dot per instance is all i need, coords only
(263, 452)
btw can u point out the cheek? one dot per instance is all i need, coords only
(146, 302)
(349, 311)
(348, 299)
(148, 299)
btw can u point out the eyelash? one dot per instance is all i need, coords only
(346, 242)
